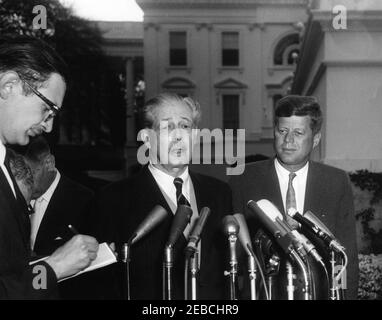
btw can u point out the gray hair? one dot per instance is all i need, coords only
(167, 98)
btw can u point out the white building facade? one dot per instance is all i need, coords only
(235, 57)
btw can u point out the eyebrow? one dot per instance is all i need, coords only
(168, 119)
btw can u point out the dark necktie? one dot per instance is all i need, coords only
(290, 196)
(180, 198)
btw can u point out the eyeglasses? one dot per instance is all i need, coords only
(53, 108)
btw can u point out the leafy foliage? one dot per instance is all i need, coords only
(78, 41)
(370, 277)
(371, 182)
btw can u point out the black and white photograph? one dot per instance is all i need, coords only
(190, 155)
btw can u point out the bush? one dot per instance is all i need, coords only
(370, 277)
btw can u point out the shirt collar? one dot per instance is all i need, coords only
(285, 173)
(164, 178)
(49, 192)
(3, 151)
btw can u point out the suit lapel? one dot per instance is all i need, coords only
(311, 192)
(18, 212)
(149, 183)
(204, 198)
(272, 186)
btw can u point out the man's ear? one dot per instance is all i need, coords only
(316, 139)
(9, 83)
(50, 162)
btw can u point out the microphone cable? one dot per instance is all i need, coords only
(260, 270)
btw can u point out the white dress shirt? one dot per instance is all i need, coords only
(166, 185)
(299, 184)
(39, 205)
(3, 151)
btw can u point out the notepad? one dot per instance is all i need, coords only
(105, 257)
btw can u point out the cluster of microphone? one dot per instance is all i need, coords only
(284, 232)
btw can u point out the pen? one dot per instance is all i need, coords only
(74, 231)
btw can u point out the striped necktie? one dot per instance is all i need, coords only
(180, 198)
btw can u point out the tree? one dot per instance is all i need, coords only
(79, 42)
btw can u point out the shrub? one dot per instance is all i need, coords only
(370, 277)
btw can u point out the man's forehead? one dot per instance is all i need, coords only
(295, 120)
(174, 110)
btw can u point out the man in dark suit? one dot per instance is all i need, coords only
(32, 88)
(292, 181)
(165, 181)
(57, 202)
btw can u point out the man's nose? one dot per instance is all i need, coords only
(289, 137)
(47, 125)
(178, 134)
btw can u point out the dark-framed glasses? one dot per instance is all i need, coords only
(53, 108)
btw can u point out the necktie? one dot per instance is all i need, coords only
(290, 196)
(180, 198)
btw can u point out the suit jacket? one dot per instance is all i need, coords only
(328, 195)
(70, 203)
(17, 278)
(122, 207)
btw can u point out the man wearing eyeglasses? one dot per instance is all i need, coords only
(32, 88)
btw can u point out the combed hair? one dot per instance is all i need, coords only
(31, 58)
(294, 105)
(37, 149)
(167, 98)
(20, 169)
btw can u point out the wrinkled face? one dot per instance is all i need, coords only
(23, 115)
(294, 141)
(171, 140)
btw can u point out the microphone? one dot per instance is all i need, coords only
(230, 226)
(268, 215)
(231, 229)
(181, 219)
(153, 219)
(244, 237)
(197, 230)
(310, 221)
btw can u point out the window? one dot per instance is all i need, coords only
(231, 111)
(286, 50)
(178, 48)
(230, 49)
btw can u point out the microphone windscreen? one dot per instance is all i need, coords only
(230, 225)
(199, 224)
(314, 219)
(181, 219)
(270, 209)
(154, 218)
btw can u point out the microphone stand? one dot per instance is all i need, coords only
(194, 269)
(290, 286)
(252, 275)
(167, 269)
(126, 260)
(304, 270)
(233, 263)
